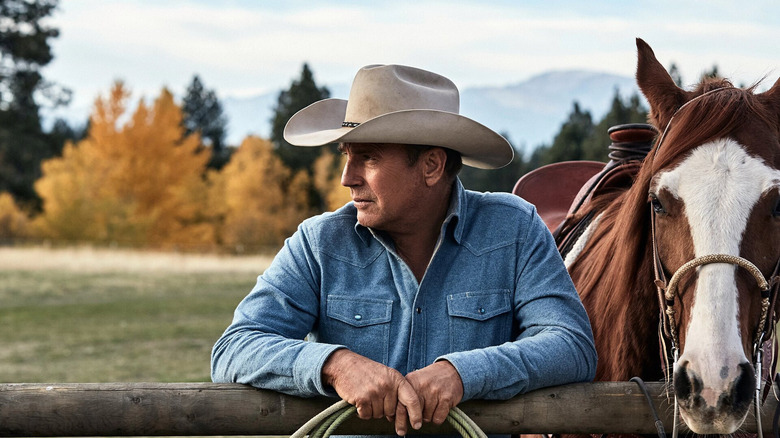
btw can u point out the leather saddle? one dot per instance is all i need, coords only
(560, 190)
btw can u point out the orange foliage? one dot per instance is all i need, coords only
(260, 201)
(327, 180)
(13, 221)
(137, 181)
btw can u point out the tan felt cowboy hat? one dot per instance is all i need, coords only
(399, 104)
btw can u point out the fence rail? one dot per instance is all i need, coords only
(180, 409)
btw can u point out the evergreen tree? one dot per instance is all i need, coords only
(568, 143)
(24, 51)
(711, 73)
(494, 180)
(203, 114)
(302, 93)
(595, 146)
(674, 72)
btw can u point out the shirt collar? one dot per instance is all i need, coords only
(455, 213)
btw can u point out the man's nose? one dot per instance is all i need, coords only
(350, 176)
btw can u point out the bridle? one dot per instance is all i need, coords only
(667, 292)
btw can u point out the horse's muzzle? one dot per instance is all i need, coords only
(714, 411)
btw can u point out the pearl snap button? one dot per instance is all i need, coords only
(481, 310)
(358, 317)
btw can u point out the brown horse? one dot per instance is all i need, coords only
(708, 192)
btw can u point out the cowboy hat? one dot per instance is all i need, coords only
(399, 104)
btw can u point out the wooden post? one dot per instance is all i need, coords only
(134, 409)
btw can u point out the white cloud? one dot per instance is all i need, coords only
(240, 47)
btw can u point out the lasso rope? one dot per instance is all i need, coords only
(325, 423)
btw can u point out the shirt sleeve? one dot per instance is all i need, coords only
(265, 344)
(555, 342)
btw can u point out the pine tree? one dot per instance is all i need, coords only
(568, 143)
(302, 93)
(24, 51)
(203, 114)
(596, 146)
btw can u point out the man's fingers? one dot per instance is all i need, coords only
(364, 410)
(400, 420)
(441, 412)
(408, 397)
(390, 404)
(378, 407)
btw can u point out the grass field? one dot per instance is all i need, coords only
(85, 315)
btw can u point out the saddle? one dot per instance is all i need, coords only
(560, 190)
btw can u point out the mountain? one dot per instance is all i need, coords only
(530, 112)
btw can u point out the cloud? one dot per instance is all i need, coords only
(239, 47)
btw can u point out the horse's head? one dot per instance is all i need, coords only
(713, 189)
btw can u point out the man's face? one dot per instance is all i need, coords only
(383, 186)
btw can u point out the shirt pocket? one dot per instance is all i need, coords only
(360, 324)
(479, 319)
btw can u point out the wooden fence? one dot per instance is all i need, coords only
(146, 409)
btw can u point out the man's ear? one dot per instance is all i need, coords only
(433, 164)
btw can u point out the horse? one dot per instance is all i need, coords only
(703, 210)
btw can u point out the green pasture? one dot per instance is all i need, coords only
(65, 326)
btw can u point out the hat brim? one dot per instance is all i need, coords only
(320, 124)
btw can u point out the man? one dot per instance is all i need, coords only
(418, 294)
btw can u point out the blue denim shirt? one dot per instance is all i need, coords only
(495, 301)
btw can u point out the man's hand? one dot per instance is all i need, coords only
(440, 388)
(375, 389)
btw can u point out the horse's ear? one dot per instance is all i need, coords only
(771, 100)
(664, 96)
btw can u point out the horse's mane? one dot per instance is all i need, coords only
(617, 271)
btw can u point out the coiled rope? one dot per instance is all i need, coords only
(325, 423)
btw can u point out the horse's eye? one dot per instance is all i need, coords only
(658, 208)
(776, 213)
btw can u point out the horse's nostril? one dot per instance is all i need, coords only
(682, 383)
(742, 389)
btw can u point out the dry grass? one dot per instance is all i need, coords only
(89, 259)
(97, 315)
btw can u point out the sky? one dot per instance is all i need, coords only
(245, 47)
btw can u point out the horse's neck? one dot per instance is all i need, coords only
(624, 319)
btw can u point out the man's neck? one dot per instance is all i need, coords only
(416, 246)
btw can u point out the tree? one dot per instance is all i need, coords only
(203, 114)
(674, 72)
(302, 93)
(13, 221)
(24, 51)
(260, 200)
(140, 183)
(596, 146)
(494, 180)
(327, 180)
(568, 143)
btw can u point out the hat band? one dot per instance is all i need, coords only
(349, 124)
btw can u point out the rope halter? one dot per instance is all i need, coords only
(671, 289)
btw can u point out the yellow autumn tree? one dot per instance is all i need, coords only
(13, 221)
(259, 199)
(327, 180)
(137, 180)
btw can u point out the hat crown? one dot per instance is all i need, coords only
(383, 89)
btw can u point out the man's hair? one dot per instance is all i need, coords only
(452, 166)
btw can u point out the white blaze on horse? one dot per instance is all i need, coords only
(689, 252)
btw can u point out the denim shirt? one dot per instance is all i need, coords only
(495, 301)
